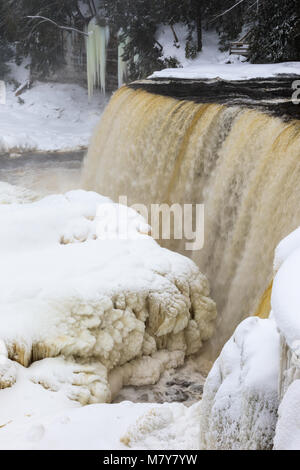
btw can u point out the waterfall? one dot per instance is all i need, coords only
(243, 164)
(96, 45)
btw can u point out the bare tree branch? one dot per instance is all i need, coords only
(226, 11)
(67, 28)
(159, 45)
(174, 33)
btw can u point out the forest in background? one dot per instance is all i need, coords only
(274, 26)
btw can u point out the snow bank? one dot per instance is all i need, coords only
(285, 294)
(166, 427)
(210, 53)
(240, 400)
(286, 305)
(48, 117)
(211, 63)
(81, 280)
(258, 367)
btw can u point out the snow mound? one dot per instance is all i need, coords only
(285, 293)
(240, 399)
(81, 280)
(236, 71)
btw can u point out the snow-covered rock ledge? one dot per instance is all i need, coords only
(87, 308)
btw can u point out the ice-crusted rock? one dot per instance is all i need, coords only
(285, 305)
(287, 435)
(85, 287)
(240, 398)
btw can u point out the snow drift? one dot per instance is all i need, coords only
(86, 305)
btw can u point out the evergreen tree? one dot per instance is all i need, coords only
(276, 35)
(37, 38)
(274, 23)
(139, 20)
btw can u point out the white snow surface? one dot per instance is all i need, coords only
(52, 117)
(235, 71)
(38, 419)
(209, 54)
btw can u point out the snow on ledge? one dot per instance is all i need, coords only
(237, 71)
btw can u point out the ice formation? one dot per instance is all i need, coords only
(90, 302)
(99, 426)
(259, 368)
(240, 399)
(96, 45)
(122, 64)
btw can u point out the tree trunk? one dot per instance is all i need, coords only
(198, 19)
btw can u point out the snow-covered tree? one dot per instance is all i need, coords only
(276, 36)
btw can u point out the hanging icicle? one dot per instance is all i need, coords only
(122, 64)
(96, 52)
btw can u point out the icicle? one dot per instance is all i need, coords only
(122, 64)
(96, 51)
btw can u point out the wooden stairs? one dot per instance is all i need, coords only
(241, 47)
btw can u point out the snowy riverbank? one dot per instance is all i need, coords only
(48, 117)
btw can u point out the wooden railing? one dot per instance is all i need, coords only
(242, 46)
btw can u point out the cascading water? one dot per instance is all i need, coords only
(242, 163)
